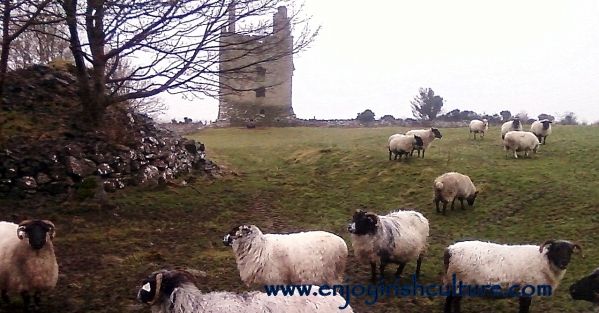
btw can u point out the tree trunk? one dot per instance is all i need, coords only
(5, 46)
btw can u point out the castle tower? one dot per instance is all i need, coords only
(260, 92)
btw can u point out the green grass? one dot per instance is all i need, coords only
(291, 179)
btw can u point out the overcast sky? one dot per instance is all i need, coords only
(486, 56)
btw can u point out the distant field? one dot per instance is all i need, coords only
(293, 179)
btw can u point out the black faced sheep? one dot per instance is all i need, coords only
(398, 237)
(451, 186)
(541, 129)
(314, 257)
(518, 141)
(27, 262)
(514, 124)
(174, 291)
(479, 127)
(427, 135)
(485, 263)
(587, 288)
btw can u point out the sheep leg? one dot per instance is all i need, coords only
(448, 302)
(462, 202)
(437, 205)
(456, 304)
(452, 201)
(389, 154)
(525, 304)
(373, 271)
(37, 299)
(382, 269)
(26, 300)
(400, 269)
(444, 206)
(418, 263)
(515, 154)
(5, 297)
(422, 153)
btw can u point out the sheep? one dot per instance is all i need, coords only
(398, 237)
(451, 186)
(514, 124)
(520, 141)
(427, 135)
(314, 257)
(541, 129)
(477, 263)
(404, 145)
(27, 267)
(478, 126)
(587, 288)
(174, 291)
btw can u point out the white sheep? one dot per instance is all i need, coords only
(518, 141)
(451, 186)
(541, 129)
(404, 145)
(427, 135)
(478, 126)
(486, 263)
(514, 124)
(398, 237)
(27, 266)
(314, 257)
(174, 291)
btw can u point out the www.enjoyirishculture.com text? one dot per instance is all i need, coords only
(372, 293)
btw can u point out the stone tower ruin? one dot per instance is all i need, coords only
(260, 93)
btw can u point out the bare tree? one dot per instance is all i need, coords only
(44, 41)
(174, 45)
(17, 17)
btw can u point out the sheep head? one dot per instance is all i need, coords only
(160, 284)
(37, 231)
(559, 252)
(471, 198)
(586, 288)
(437, 133)
(545, 123)
(239, 232)
(363, 223)
(417, 143)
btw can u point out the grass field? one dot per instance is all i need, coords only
(293, 179)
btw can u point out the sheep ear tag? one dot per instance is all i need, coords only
(146, 287)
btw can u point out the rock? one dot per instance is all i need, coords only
(80, 168)
(190, 146)
(148, 176)
(113, 184)
(42, 178)
(74, 150)
(104, 169)
(27, 183)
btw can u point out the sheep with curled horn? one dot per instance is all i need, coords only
(27, 261)
(174, 291)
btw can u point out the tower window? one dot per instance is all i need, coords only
(260, 73)
(260, 92)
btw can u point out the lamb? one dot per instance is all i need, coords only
(404, 145)
(520, 141)
(427, 135)
(398, 237)
(451, 186)
(541, 129)
(485, 263)
(478, 126)
(174, 291)
(27, 266)
(314, 257)
(587, 288)
(514, 124)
